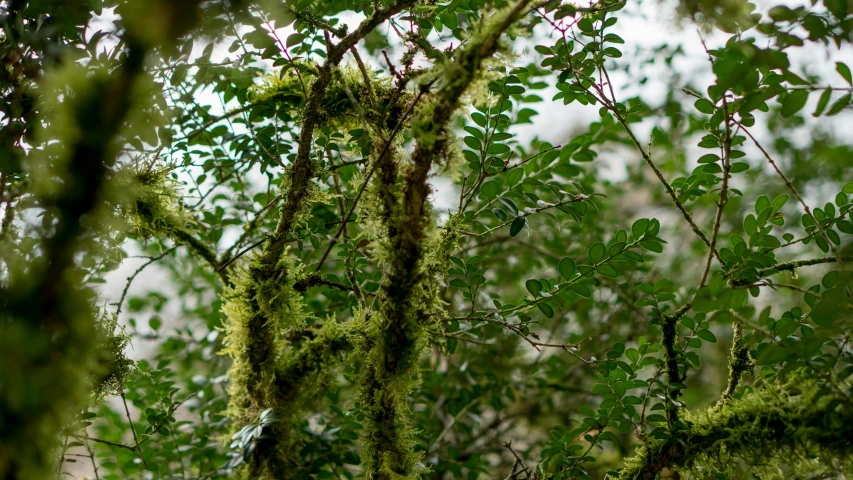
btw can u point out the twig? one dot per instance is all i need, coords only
(250, 227)
(133, 430)
(787, 267)
(347, 164)
(137, 272)
(371, 95)
(111, 444)
(726, 160)
(241, 253)
(518, 462)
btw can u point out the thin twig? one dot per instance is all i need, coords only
(131, 278)
(133, 430)
(724, 191)
(371, 95)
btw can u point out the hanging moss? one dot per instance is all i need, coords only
(379, 100)
(788, 422)
(110, 365)
(148, 199)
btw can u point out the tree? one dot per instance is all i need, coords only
(325, 313)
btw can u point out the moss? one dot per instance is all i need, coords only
(788, 422)
(258, 313)
(271, 368)
(395, 342)
(110, 366)
(408, 295)
(739, 362)
(149, 201)
(296, 387)
(337, 108)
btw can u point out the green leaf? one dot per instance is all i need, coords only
(739, 167)
(839, 105)
(704, 105)
(473, 142)
(514, 176)
(294, 39)
(509, 204)
(517, 225)
(794, 102)
(608, 270)
(651, 246)
(545, 309)
(706, 335)
(833, 306)
(771, 354)
(567, 268)
(844, 71)
(490, 190)
(822, 102)
(639, 227)
(597, 252)
(533, 286)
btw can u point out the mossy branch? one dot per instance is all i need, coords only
(265, 301)
(669, 325)
(739, 362)
(787, 267)
(784, 421)
(303, 168)
(295, 385)
(388, 449)
(45, 305)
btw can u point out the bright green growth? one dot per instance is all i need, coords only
(111, 366)
(791, 421)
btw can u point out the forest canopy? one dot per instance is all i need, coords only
(400, 239)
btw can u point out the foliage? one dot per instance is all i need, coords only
(218, 217)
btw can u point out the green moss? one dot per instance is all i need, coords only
(739, 362)
(258, 312)
(298, 382)
(408, 296)
(271, 366)
(395, 342)
(785, 423)
(110, 366)
(337, 108)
